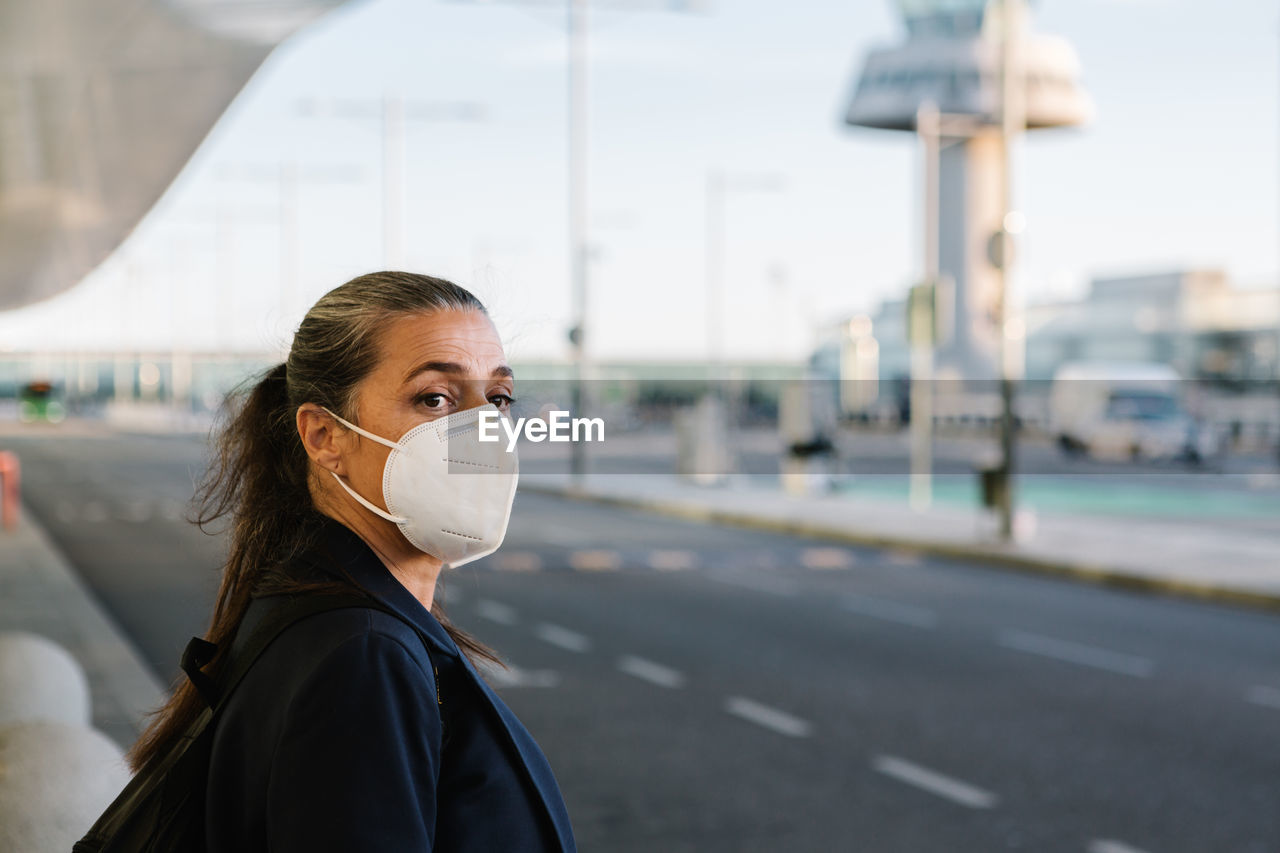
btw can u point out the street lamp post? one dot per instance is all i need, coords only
(579, 195)
(715, 406)
(578, 31)
(288, 177)
(1013, 123)
(393, 114)
(719, 186)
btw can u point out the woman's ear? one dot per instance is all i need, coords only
(321, 434)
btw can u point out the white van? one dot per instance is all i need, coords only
(1116, 410)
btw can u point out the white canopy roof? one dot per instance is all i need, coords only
(102, 102)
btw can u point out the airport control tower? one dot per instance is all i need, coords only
(952, 58)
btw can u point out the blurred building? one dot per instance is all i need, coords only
(140, 387)
(1194, 320)
(1225, 338)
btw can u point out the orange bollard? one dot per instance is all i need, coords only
(9, 478)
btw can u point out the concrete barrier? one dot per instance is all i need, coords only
(39, 680)
(56, 778)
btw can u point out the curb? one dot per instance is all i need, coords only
(1004, 557)
(126, 689)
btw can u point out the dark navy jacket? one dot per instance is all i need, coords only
(349, 735)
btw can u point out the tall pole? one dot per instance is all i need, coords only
(578, 251)
(1012, 124)
(393, 160)
(714, 271)
(223, 251)
(923, 317)
(288, 247)
(579, 248)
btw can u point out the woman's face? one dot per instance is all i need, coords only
(430, 365)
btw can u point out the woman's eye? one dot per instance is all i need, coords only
(432, 401)
(502, 401)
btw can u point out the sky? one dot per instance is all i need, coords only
(1178, 169)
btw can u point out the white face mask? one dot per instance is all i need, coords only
(449, 492)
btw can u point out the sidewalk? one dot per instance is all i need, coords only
(42, 594)
(1195, 559)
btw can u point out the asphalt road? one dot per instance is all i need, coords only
(699, 688)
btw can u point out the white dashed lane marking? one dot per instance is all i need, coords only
(562, 637)
(496, 612)
(826, 558)
(135, 511)
(766, 717)
(672, 561)
(1267, 697)
(94, 512)
(595, 561)
(935, 783)
(647, 670)
(514, 676)
(1106, 845)
(903, 558)
(1077, 653)
(517, 561)
(891, 611)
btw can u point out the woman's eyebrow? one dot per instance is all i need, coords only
(456, 369)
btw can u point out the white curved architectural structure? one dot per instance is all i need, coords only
(952, 58)
(102, 102)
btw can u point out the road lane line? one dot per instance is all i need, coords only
(514, 676)
(826, 558)
(94, 512)
(758, 583)
(892, 611)
(672, 560)
(647, 670)
(1107, 845)
(517, 561)
(558, 536)
(595, 561)
(1077, 653)
(770, 718)
(562, 637)
(1268, 697)
(134, 511)
(935, 783)
(903, 558)
(496, 611)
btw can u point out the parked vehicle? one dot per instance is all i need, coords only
(1115, 410)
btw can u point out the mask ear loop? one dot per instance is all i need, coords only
(381, 513)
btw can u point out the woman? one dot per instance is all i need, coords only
(361, 729)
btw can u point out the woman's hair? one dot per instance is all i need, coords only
(259, 478)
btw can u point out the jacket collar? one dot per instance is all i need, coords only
(536, 768)
(341, 553)
(338, 551)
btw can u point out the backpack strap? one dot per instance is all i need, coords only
(200, 652)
